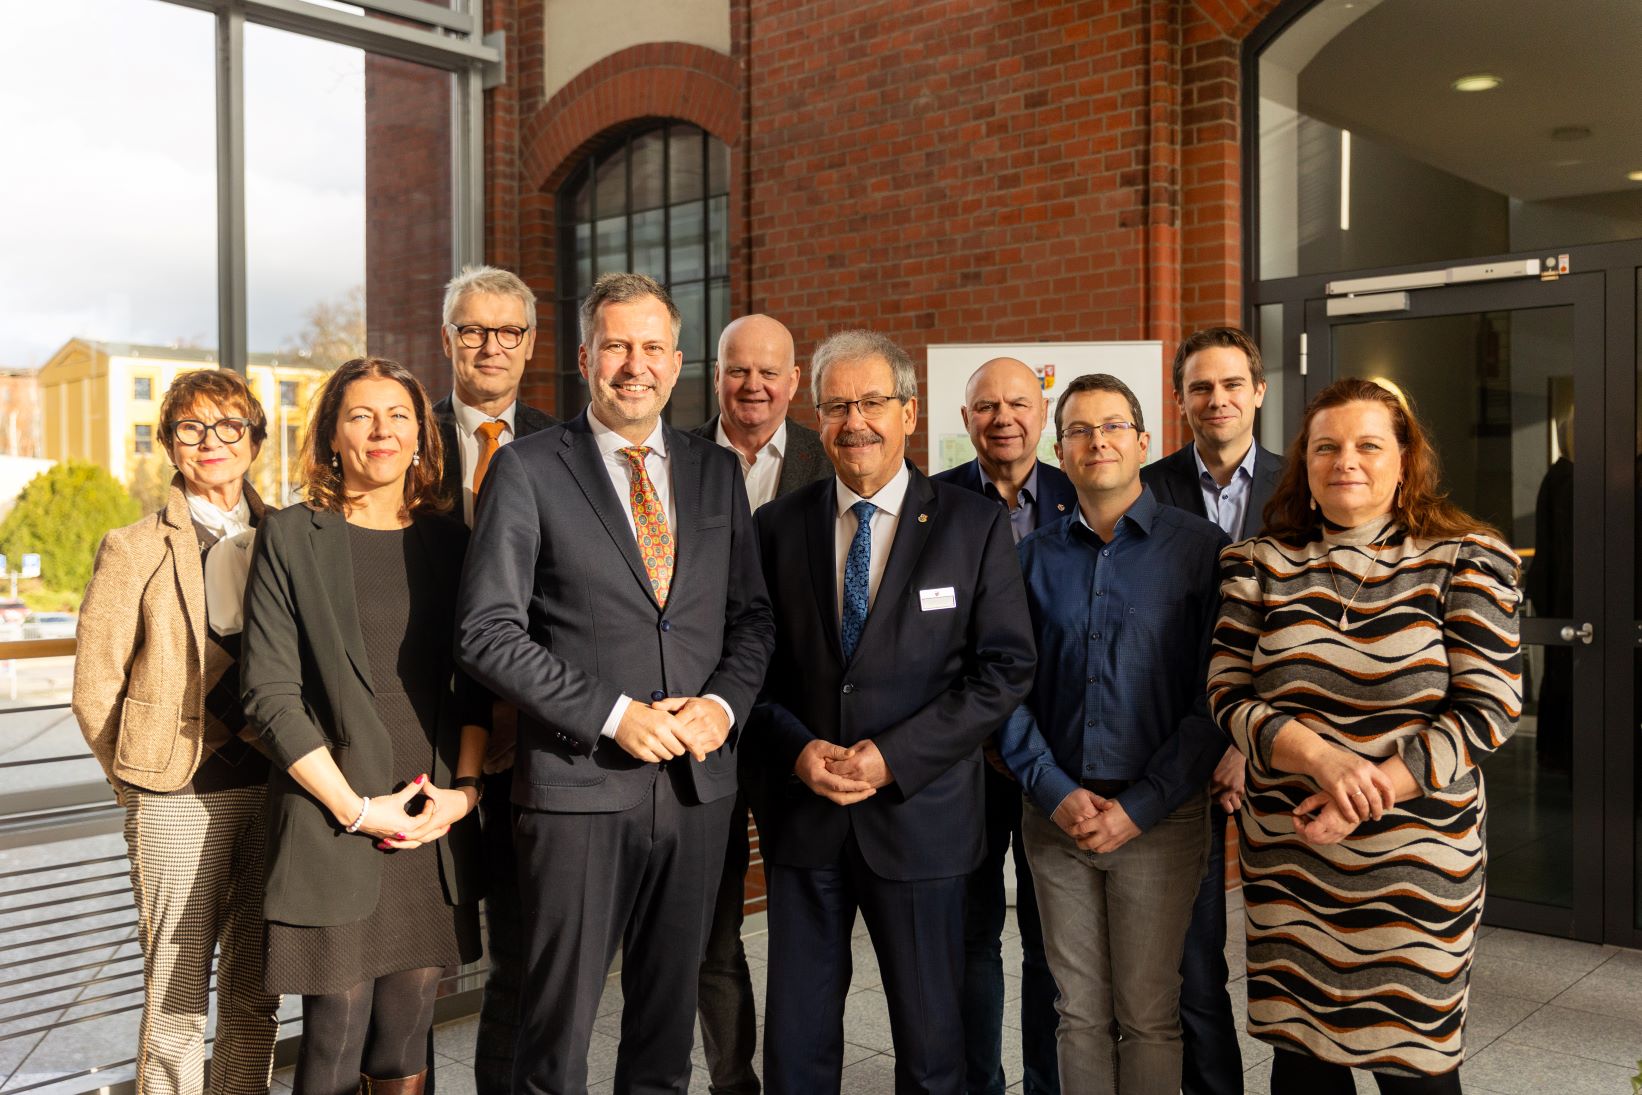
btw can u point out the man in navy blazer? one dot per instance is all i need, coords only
(1005, 411)
(613, 594)
(1225, 475)
(902, 642)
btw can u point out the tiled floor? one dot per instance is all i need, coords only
(1548, 1017)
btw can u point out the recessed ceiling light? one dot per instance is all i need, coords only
(1635, 176)
(1478, 81)
(1570, 133)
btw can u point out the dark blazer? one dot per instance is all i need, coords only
(1056, 495)
(557, 615)
(307, 685)
(526, 421)
(1174, 480)
(927, 687)
(805, 460)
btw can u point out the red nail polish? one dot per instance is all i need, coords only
(420, 778)
(399, 836)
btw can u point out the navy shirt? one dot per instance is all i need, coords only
(1123, 641)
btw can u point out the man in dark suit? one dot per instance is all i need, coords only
(756, 376)
(489, 333)
(1004, 411)
(902, 642)
(614, 596)
(1225, 475)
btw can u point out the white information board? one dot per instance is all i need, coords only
(1137, 364)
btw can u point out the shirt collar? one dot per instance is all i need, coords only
(888, 499)
(468, 420)
(776, 446)
(1141, 513)
(1245, 468)
(1029, 488)
(609, 440)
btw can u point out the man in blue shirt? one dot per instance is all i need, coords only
(1123, 595)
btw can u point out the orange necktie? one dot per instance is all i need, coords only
(490, 439)
(650, 524)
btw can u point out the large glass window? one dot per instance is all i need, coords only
(1514, 132)
(653, 202)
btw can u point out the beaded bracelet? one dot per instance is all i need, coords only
(364, 808)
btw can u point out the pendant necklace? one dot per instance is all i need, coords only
(1379, 546)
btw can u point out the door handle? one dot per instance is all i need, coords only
(1584, 633)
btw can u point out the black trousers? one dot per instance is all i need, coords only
(499, 1012)
(1302, 1074)
(729, 1022)
(642, 880)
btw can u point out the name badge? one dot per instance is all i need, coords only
(935, 600)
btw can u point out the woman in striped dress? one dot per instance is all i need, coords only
(1365, 660)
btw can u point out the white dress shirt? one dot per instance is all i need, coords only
(889, 500)
(659, 467)
(762, 475)
(468, 422)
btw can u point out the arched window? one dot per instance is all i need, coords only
(653, 201)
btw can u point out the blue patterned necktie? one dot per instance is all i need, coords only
(857, 577)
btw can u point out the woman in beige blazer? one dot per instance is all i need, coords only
(156, 694)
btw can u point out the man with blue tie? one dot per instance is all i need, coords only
(1004, 411)
(902, 642)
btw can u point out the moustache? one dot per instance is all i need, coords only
(858, 437)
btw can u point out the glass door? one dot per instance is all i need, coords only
(1508, 377)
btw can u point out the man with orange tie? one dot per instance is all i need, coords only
(613, 594)
(488, 333)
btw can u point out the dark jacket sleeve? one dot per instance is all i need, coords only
(749, 622)
(270, 660)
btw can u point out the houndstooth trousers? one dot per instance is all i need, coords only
(196, 877)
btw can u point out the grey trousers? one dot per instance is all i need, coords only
(1114, 928)
(196, 877)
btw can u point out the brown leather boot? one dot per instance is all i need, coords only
(405, 1085)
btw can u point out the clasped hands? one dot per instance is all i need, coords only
(672, 727)
(843, 775)
(1352, 789)
(1096, 823)
(393, 827)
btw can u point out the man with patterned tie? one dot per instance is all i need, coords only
(613, 594)
(902, 642)
(488, 333)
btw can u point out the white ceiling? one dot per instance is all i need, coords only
(1384, 68)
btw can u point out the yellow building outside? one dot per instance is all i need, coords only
(100, 403)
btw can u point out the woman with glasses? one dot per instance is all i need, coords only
(1366, 661)
(349, 675)
(156, 694)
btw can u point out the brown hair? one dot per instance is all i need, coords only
(223, 387)
(1421, 507)
(1100, 382)
(1232, 338)
(620, 288)
(322, 483)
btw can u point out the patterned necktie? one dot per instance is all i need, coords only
(490, 439)
(650, 524)
(857, 577)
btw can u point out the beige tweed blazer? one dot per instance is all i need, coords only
(144, 667)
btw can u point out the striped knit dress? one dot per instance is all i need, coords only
(1359, 953)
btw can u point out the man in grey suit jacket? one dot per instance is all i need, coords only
(1225, 475)
(488, 331)
(614, 595)
(756, 376)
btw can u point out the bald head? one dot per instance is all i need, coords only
(757, 375)
(1004, 411)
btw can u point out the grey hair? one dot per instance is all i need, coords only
(488, 279)
(855, 345)
(616, 288)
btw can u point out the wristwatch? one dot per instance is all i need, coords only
(470, 781)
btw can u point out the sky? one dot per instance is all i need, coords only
(108, 174)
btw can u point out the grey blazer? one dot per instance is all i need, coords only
(556, 614)
(805, 460)
(307, 685)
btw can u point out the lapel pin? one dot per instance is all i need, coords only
(922, 518)
(1061, 506)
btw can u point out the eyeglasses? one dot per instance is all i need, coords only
(1082, 434)
(191, 431)
(872, 406)
(474, 336)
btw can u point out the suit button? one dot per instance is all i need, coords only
(849, 688)
(667, 625)
(658, 694)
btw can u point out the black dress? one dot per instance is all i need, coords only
(412, 926)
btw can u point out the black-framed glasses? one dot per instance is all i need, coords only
(1081, 433)
(191, 431)
(872, 406)
(474, 335)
